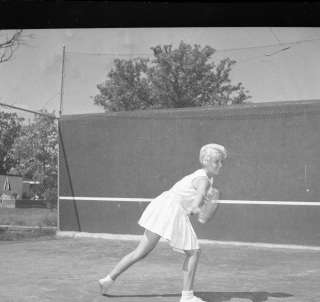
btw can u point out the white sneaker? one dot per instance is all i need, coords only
(105, 284)
(193, 299)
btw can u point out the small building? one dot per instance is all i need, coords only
(29, 187)
(10, 190)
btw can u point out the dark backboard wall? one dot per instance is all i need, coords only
(274, 151)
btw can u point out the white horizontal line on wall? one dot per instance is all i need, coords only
(248, 202)
(105, 198)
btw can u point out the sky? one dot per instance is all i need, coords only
(32, 78)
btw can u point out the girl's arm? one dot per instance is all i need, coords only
(202, 186)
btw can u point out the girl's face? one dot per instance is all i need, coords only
(214, 165)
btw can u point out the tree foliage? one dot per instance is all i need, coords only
(128, 86)
(10, 127)
(183, 77)
(36, 152)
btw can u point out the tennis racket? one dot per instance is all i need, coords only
(210, 206)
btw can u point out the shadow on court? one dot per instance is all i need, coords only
(216, 296)
(250, 296)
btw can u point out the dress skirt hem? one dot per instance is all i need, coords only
(165, 216)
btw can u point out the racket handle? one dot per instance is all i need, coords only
(207, 211)
(209, 207)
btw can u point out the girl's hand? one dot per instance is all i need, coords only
(194, 210)
(202, 186)
(212, 193)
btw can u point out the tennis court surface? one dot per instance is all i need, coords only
(66, 269)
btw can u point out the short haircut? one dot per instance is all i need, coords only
(209, 151)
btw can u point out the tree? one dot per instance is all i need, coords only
(36, 152)
(10, 124)
(10, 127)
(175, 78)
(128, 86)
(9, 44)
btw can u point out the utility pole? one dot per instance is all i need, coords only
(59, 135)
(62, 80)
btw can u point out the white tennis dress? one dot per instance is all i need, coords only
(166, 215)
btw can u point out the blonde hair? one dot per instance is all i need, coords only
(209, 151)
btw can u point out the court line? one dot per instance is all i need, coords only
(125, 237)
(246, 202)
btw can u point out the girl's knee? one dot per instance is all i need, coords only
(190, 253)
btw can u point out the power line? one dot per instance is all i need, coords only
(278, 51)
(275, 36)
(268, 45)
(28, 110)
(279, 43)
(217, 50)
(49, 100)
(249, 59)
(109, 53)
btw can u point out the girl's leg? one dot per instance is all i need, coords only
(146, 245)
(189, 269)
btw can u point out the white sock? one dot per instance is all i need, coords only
(187, 294)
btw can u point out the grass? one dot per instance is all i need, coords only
(28, 217)
(9, 235)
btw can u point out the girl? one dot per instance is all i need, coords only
(167, 216)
